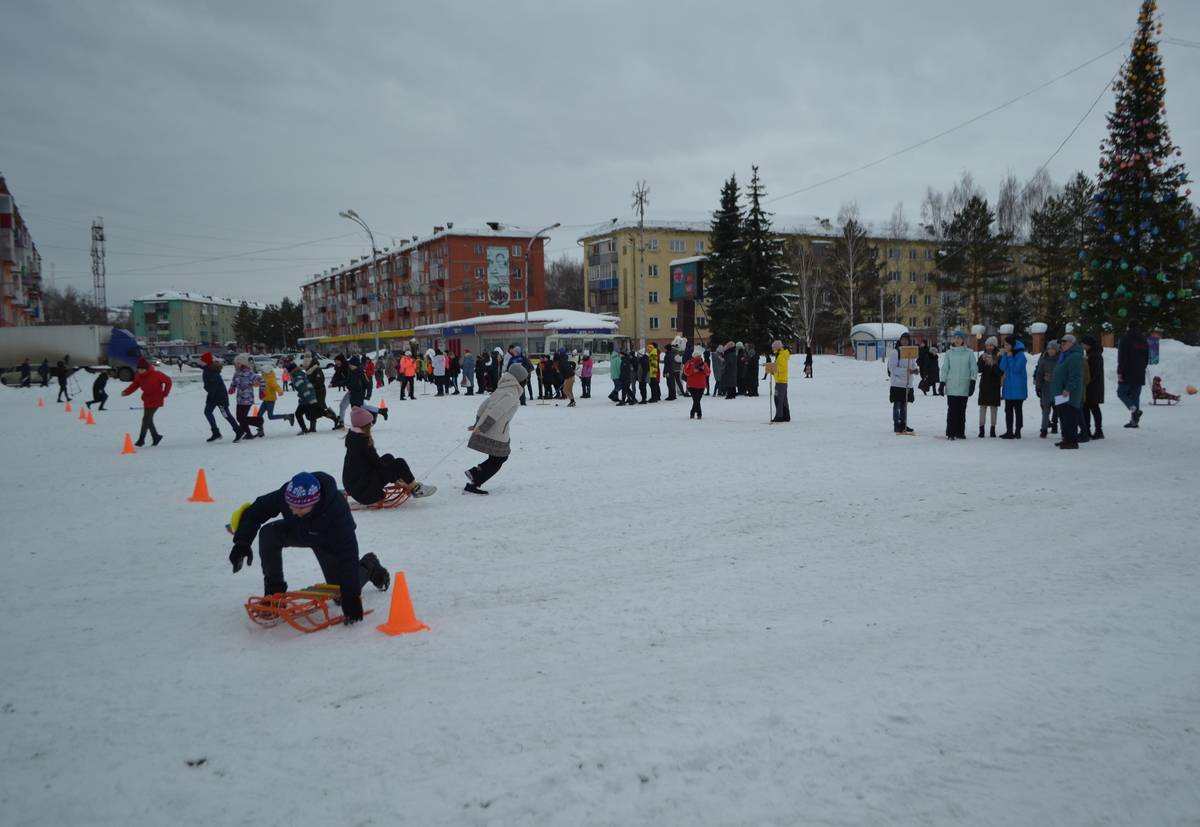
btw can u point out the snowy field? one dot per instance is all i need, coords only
(649, 621)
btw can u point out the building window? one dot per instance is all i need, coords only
(928, 300)
(894, 275)
(652, 244)
(478, 249)
(478, 295)
(478, 272)
(678, 246)
(912, 299)
(516, 253)
(652, 269)
(701, 322)
(653, 297)
(912, 277)
(928, 321)
(654, 322)
(700, 246)
(893, 252)
(928, 254)
(912, 321)
(912, 253)
(518, 295)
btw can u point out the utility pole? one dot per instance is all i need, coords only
(375, 275)
(641, 197)
(98, 286)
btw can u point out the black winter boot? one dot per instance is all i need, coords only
(1098, 433)
(981, 432)
(215, 436)
(378, 575)
(992, 433)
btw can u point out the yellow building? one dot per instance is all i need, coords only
(626, 273)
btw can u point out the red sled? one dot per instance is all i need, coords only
(1157, 392)
(307, 610)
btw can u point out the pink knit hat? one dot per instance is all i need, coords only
(360, 418)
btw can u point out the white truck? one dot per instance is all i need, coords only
(89, 346)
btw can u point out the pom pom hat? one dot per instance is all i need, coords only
(303, 490)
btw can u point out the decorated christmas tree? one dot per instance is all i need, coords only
(1137, 266)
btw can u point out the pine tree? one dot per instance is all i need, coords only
(769, 290)
(1138, 267)
(1058, 230)
(245, 325)
(974, 260)
(723, 289)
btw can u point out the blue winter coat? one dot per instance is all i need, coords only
(1016, 376)
(214, 386)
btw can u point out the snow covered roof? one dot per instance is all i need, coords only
(688, 260)
(179, 295)
(694, 221)
(891, 330)
(547, 319)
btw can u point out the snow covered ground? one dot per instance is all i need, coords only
(649, 621)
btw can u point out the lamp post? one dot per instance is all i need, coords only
(528, 251)
(351, 215)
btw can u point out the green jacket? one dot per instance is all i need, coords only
(958, 371)
(614, 366)
(1068, 376)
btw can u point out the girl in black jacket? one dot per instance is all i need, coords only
(990, 377)
(365, 474)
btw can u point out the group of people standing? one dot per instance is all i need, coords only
(1068, 380)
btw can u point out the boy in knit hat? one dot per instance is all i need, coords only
(315, 515)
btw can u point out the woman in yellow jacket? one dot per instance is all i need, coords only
(268, 393)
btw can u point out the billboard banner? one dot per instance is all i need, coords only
(499, 287)
(687, 280)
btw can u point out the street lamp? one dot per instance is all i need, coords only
(351, 215)
(528, 251)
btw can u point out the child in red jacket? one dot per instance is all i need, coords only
(696, 373)
(155, 386)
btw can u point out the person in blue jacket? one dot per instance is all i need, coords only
(1014, 388)
(216, 397)
(315, 516)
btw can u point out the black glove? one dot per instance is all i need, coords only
(352, 610)
(971, 392)
(912, 397)
(241, 553)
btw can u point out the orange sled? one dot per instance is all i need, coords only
(394, 494)
(307, 610)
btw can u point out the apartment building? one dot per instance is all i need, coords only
(186, 318)
(20, 267)
(453, 273)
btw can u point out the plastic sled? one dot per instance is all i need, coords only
(307, 610)
(394, 495)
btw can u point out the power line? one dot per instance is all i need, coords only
(954, 128)
(1079, 123)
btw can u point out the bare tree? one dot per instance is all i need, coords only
(855, 265)
(1009, 213)
(962, 192)
(806, 265)
(933, 213)
(564, 284)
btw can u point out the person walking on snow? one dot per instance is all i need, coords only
(958, 371)
(1014, 386)
(438, 359)
(989, 383)
(26, 374)
(1066, 387)
(155, 388)
(316, 376)
(468, 371)
(365, 474)
(568, 378)
(614, 373)
(654, 372)
(357, 389)
(44, 372)
(585, 375)
(98, 392)
(61, 373)
(307, 409)
(489, 434)
(315, 515)
(779, 370)
(216, 397)
(1043, 373)
(900, 391)
(1133, 355)
(244, 383)
(696, 375)
(269, 393)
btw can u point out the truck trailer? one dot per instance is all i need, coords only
(88, 346)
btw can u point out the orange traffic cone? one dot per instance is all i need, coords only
(254, 411)
(128, 449)
(68, 408)
(83, 414)
(200, 491)
(383, 404)
(41, 402)
(90, 420)
(401, 618)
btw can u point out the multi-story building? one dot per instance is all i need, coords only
(626, 273)
(454, 273)
(186, 318)
(20, 267)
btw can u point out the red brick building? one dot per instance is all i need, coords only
(452, 274)
(20, 267)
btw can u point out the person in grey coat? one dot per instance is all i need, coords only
(1043, 373)
(489, 434)
(729, 371)
(468, 371)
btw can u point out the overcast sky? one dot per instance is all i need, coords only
(211, 129)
